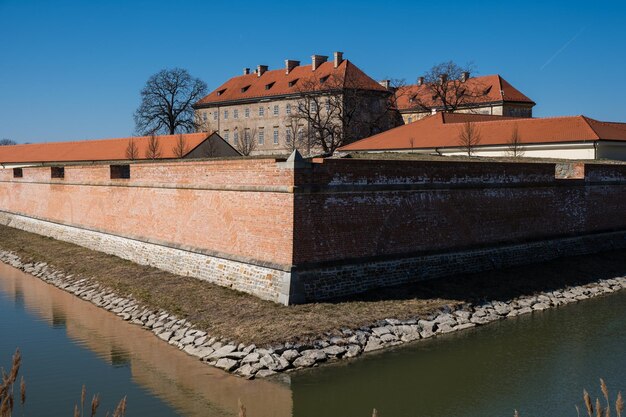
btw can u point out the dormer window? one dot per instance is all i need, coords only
(244, 89)
(268, 86)
(323, 79)
(220, 92)
(293, 82)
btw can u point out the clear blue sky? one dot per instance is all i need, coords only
(73, 70)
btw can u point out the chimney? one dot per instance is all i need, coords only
(420, 81)
(317, 60)
(338, 58)
(246, 71)
(385, 83)
(443, 78)
(260, 69)
(465, 76)
(290, 64)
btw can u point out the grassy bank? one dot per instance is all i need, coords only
(247, 319)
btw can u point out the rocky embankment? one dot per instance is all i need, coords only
(251, 361)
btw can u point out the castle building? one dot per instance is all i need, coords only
(276, 111)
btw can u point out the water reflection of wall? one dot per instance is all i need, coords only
(190, 387)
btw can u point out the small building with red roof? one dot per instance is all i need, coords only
(570, 137)
(181, 146)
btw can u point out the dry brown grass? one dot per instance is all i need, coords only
(7, 401)
(599, 410)
(7, 397)
(247, 319)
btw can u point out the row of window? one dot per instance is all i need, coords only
(261, 111)
(247, 135)
(117, 172)
(246, 112)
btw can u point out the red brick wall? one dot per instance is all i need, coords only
(344, 209)
(371, 208)
(219, 206)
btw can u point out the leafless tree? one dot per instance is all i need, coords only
(469, 137)
(336, 110)
(295, 134)
(166, 102)
(245, 139)
(154, 147)
(7, 142)
(515, 147)
(210, 150)
(132, 152)
(446, 86)
(181, 148)
(390, 117)
(202, 124)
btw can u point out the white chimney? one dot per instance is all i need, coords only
(290, 64)
(317, 60)
(260, 69)
(443, 78)
(385, 83)
(246, 71)
(465, 76)
(420, 81)
(338, 58)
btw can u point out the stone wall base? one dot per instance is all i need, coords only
(263, 282)
(337, 281)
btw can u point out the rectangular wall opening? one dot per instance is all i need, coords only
(120, 172)
(18, 173)
(57, 172)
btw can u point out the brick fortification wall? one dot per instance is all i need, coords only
(360, 224)
(227, 221)
(297, 232)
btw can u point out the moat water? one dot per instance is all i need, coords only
(538, 364)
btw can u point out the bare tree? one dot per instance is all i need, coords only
(132, 152)
(210, 150)
(515, 147)
(7, 142)
(154, 147)
(203, 124)
(181, 148)
(295, 134)
(336, 110)
(447, 86)
(390, 117)
(245, 139)
(469, 137)
(166, 102)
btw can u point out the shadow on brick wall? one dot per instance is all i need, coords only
(508, 283)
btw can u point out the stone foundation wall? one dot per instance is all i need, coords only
(344, 279)
(266, 283)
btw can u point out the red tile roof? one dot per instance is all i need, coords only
(442, 130)
(496, 89)
(94, 150)
(280, 83)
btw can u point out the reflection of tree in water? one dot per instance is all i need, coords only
(59, 320)
(18, 296)
(120, 358)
